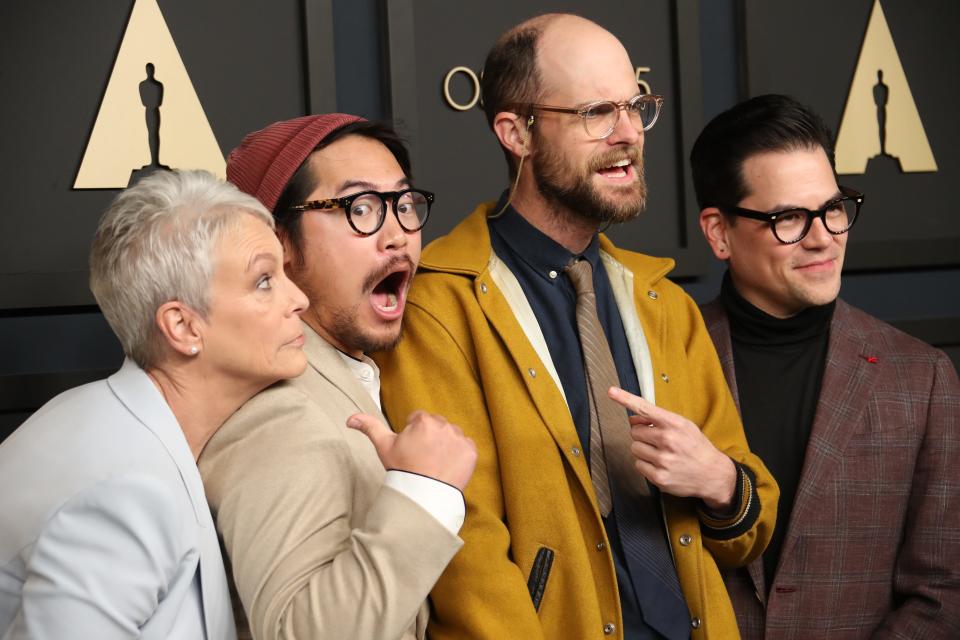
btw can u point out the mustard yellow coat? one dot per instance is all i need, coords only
(465, 355)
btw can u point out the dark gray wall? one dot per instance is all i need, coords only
(43, 351)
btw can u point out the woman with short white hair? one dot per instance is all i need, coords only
(105, 531)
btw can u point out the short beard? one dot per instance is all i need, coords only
(345, 329)
(342, 322)
(574, 192)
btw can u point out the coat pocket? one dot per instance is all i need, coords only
(539, 574)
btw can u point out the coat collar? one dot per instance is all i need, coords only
(719, 328)
(134, 388)
(848, 377)
(137, 392)
(324, 358)
(466, 250)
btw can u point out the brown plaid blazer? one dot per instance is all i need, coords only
(873, 545)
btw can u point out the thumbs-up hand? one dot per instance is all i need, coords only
(429, 446)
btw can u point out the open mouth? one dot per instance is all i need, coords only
(388, 294)
(618, 170)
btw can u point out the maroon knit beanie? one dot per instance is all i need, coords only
(266, 160)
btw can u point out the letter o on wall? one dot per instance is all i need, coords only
(476, 88)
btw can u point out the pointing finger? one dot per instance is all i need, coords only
(626, 399)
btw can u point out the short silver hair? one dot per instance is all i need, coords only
(155, 244)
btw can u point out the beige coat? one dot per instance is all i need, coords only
(319, 547)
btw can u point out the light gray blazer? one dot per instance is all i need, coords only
(104, 529)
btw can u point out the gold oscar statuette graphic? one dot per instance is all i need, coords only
(150, 116)
(881, 121)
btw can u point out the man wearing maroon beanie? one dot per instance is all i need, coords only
(330, 531)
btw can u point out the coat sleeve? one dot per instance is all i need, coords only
(283, 481)
(926, 578)
(102, 562)
(737, 540)
(483, 593)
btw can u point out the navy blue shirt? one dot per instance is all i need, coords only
(538, 263)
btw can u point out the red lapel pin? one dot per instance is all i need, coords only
(871, 359)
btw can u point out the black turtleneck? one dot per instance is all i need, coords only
(779, 368)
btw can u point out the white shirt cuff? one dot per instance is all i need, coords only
(441, 500)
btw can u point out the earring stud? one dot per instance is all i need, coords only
(194, 350)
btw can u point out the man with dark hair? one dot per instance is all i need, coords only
(331, 533)
(534, 332)
(857, 421)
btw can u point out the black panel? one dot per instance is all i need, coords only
(319, 37)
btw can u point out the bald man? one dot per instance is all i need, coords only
(613, 474)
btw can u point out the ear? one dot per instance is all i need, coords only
(714, 227)
(513, 131)
(289, 251)
(181, 327)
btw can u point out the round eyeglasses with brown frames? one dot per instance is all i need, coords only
(600, 118)
(367, 210)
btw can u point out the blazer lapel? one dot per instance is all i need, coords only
(718, 325)
(327, 361)
(626, 293)
(847, 377)
(141, 397)
(217, 611)
(533, 362)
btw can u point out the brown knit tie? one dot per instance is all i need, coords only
(609, 427)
